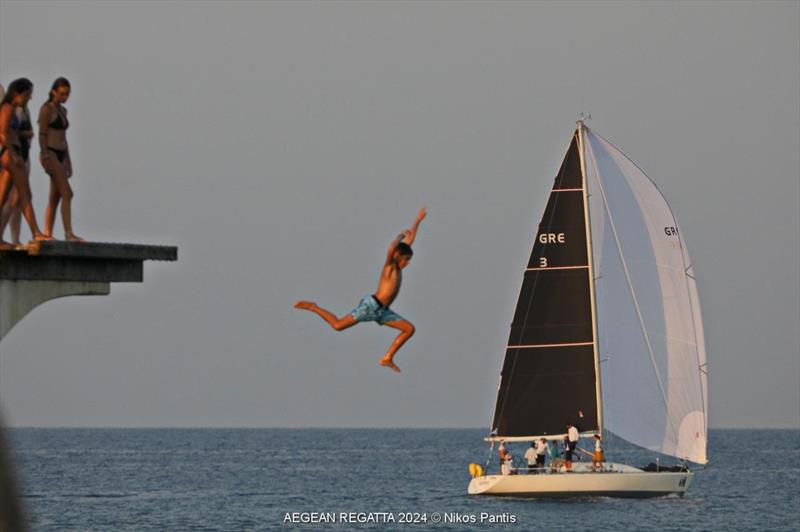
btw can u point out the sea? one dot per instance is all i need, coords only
(367, 479)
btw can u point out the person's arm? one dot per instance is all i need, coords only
(5, 119)
(412, 233)
(68, 160)
(393, 246)
(44, 125)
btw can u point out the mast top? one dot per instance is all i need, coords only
(582, 117)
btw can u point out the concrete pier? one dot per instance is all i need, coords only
(47, 270)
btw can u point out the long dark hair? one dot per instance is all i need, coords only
(18, 86)
(57, 84)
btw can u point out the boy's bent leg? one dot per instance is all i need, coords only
(406, 332)
(340, 324)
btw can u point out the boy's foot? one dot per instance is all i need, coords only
(41, 237)
(305, 305)
(72, 237)
(389, 364)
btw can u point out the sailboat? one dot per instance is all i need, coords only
(607, 334)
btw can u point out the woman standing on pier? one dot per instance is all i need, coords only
(10, 214)
(55, 157)
(12, 153)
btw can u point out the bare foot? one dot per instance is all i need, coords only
(5, 245)
(40, 237)
(389, 364)
(72, 237)
(305, 305)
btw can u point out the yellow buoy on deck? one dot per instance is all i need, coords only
(475, 470)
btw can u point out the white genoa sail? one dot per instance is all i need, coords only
(650, 333)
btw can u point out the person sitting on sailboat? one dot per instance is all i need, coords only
(375, 307)
(555, 457)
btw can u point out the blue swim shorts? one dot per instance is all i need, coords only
(369, 309)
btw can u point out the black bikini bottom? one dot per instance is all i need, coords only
(18, 150)
(60, 154)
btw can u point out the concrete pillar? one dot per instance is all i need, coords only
(19, 297)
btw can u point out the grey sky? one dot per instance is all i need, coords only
(282, 146)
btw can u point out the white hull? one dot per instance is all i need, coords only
(615, 481)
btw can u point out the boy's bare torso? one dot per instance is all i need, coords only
(389, 284)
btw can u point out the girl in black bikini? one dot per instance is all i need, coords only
(10, 213)
(12, 153)
(55, 157)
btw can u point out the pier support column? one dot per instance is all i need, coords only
(19, 297)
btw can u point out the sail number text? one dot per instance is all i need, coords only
(550, 238)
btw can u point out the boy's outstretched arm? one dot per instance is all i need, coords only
(412, 234)
(393, 246)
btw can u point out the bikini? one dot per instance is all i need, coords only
(16, 124)
(62, 124)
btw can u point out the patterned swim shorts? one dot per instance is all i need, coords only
(369, 309)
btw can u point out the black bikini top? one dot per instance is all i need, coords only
(60, 122)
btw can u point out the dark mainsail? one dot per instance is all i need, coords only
(548, 376)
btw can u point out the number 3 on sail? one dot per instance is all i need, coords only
(607, 337)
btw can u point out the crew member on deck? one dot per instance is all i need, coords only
(597, 457)
(542, 450)
(571, 442)
(502, 452)
(555, 457)
(530, 456)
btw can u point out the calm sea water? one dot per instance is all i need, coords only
(248, 479)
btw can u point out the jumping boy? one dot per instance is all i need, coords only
(375, 307)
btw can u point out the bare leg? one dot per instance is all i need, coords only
(8, 211)
(340, 324)
(59, 182)
(16, 215)
(20, 180)
(50, 211)
(10, 216)
(5, 186)
(406, 332)
(14, 225)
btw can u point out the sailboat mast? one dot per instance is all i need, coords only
(593, 303)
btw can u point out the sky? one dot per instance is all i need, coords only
(281, 147)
